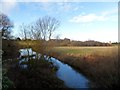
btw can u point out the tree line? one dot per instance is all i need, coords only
(68, 42)
(39, 31)
(42, 29)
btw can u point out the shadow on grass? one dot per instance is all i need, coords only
(39, 74)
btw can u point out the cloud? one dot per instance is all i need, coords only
(7, 6)
(103, 16)
(87, 18)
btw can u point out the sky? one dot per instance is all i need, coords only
(79, 20)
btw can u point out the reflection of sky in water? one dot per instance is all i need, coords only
(23, 66)
(25, 52)
(71, 78)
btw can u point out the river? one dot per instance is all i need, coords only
(71, 77)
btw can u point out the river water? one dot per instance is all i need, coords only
(71, 77)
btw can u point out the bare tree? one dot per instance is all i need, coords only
(35, 32)
(40, 31)
(5, 26)
(43, 30)
(24, 31)
(46, 26)
(52, 25)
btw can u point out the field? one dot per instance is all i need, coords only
(99, 64)
(82, 51)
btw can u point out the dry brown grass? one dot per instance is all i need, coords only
(99, 64)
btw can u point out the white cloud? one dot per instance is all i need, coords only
(87, 18)
(7, 5)
(103, 16)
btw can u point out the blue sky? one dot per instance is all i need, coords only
(79, 20)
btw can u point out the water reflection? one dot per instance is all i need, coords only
(70, 76)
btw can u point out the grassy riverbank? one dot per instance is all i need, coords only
(41, 74)
(100, 64)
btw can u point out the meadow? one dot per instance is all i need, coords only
(99, 64)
